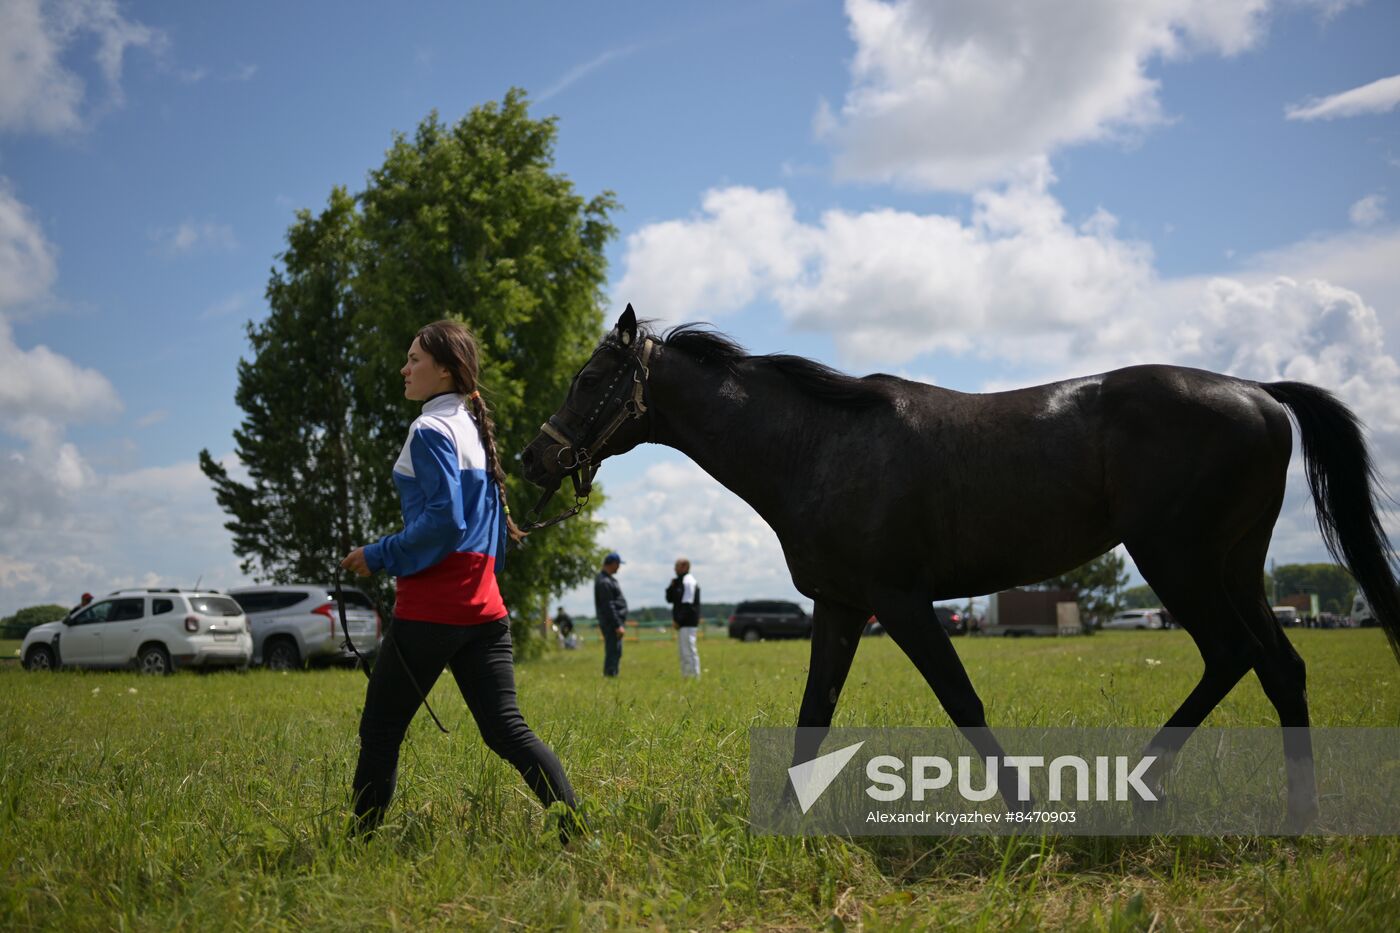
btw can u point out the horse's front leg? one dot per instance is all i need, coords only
(836, 632)
(914, 626)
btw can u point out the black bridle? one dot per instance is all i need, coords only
(624, 400)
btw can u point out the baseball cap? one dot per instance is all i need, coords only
(612, 556)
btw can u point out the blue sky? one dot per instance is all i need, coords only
(974, 194)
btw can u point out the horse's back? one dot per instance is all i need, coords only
(1052, 475)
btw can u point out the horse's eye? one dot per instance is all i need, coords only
(589, 380)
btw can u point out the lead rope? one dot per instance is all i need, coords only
(344, 627)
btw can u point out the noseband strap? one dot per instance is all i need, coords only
(576, 459)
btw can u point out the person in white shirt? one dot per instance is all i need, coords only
(684, 596)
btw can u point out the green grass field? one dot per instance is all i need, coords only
(218, 802)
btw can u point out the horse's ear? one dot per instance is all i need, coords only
(627, 326)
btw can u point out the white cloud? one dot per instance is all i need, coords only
(675, 509)
(40, 384)
(38, 91)
(579, 72)
(41, 392)
(1360, 260)
(1017, 273)
(57, 579)
(190, 235)
(157, 526)
(1368, 211)
(152, 418)
(743, 242)
(27, 266)
(954, 95)
(1379, 96)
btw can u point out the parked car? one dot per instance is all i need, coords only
(952, 621)
(769, 618)
(1136, 619)
(153, 630)
(297, 624)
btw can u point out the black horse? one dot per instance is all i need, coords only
(888, 494)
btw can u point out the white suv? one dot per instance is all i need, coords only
(295, 624)
(154, 631)
(1136, 619)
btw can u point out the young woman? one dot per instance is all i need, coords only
(448, 609)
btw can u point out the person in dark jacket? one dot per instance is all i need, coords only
(564, 625)
(684, 596)
(611, 609)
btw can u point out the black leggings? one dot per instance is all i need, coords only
(481, 661)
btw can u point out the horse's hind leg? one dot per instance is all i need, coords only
(1281, 671)
(1191, 585)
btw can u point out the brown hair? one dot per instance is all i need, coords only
(452, 346)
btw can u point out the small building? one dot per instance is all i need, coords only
(1033, 612)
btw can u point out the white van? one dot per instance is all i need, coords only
(1361, 613)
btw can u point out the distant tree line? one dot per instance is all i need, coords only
(19, 624)
(710, 613)
(1334, 587)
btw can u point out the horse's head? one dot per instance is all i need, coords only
(604, 414)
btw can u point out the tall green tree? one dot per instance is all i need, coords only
(302, 509)
(469, 222)
(1334, 587)
(1098, 584)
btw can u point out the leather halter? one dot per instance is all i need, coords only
(575, 455)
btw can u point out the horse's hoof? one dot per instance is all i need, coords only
(1300, 818)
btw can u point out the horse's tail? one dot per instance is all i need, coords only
(1345, 488)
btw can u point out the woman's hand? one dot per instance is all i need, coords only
(355, 561)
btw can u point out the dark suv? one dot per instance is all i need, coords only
(769, 618)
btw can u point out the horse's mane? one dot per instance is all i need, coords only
(712, 348)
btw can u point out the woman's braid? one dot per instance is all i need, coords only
(487, 428)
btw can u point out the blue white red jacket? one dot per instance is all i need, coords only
(454, 531)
